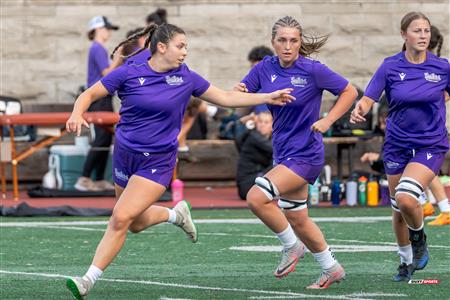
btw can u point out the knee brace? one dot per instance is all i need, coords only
(409, 186)
(267, 187)
(394, 204)
(292, 205)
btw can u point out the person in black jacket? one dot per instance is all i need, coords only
(255, 153)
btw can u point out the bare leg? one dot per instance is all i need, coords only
(138, 196)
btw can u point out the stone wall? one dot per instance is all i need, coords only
(44, 44)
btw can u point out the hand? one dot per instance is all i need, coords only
(321, 125)
(240, 87)
(358, 113)
(370, 157)
(74, 124)
(281, 97)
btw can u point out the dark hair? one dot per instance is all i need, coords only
(91, 34)
(131, 47)
(258, 53)
(155, 34)
(436, 40)
(157, 17)
(309, 44)
(408, 18)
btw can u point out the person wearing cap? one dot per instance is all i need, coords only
(98, 66)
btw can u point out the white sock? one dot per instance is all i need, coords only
(93, 274)
(422, 198)
(287, 237)
(444, 206)
(405, 253)
(325, 258)
(172, 216)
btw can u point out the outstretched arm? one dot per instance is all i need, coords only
(343, 104)
(82, 104)
(239, 99)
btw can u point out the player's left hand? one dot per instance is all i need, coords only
(281, 97)
(321, 125)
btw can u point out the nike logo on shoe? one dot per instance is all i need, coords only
(280, 271)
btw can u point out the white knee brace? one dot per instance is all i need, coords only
(409, 186)
(292, 205)
(267, 187)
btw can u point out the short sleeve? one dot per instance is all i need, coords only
(114, 79)
(327, 79)
(200, 85)
(252, 81)
(377, 84)
(101, 59)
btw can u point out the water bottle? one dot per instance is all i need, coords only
(177, 191)
(314, 193)
(372, 192)
(362, 197)
(325, 193)
(335, 192)
(351, 192)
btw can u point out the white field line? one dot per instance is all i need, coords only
(227, 234)
(197, 287)
(203, 221)
(336, 248)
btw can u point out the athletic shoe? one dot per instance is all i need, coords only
(184, 220)
(420, 253)
(79, 287)
(442, 219)
(86, 184)
(405, 272)
(328, 277)
(289, 259)
(428, 209)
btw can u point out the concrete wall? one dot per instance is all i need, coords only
(44, 44)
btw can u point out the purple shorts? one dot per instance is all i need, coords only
(308, 172)
(395, 158)
(157, 167)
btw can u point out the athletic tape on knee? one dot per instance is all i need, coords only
(268, 188)
(394, 204)
(292, 205)
(409, 186)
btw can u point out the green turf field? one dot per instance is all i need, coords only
(161, 263)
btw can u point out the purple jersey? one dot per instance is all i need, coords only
(153, 104)
(142, 56)
(415, 95)
(97, 62)
(292, 134)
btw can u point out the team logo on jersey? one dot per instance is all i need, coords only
(121, 175)
(392, 165)
(141, 80)
(153, 170)
(429, 155)
(174, 80)
(298, 81)
(432, 77)
(402, 76)
(273, 77)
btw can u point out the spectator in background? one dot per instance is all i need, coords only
(255, 153)
(157, 17)
(255, 55)
(98, 66)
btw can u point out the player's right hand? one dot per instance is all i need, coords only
(74, 124)
(358, 113)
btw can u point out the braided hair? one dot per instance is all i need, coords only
(155, 34)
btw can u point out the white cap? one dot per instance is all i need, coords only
(99, 22)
